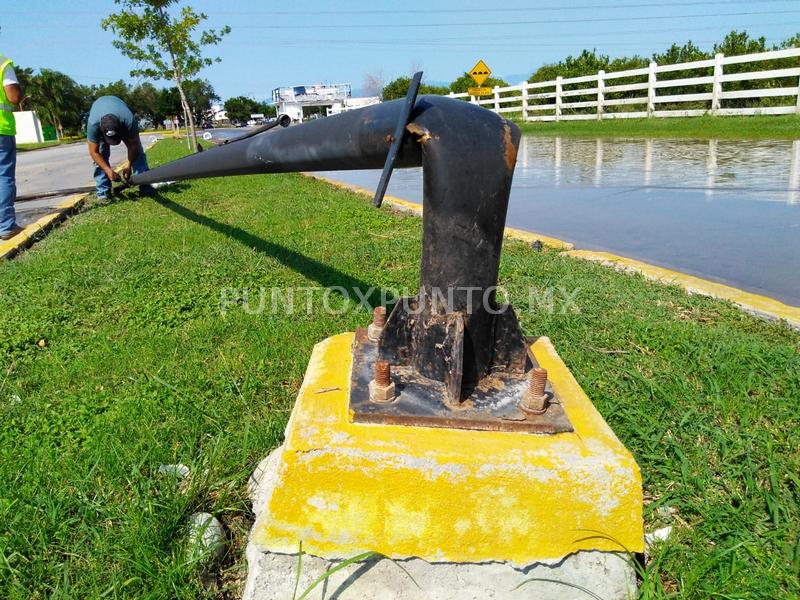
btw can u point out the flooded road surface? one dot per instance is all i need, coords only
(724, 210)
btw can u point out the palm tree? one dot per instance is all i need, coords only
(57, 97)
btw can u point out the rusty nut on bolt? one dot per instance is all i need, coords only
(375, 328)
(381, 389)
(534, 400)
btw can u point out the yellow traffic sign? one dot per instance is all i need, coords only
(479, 91)
(480, 72)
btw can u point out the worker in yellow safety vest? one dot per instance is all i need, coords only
(10, 96)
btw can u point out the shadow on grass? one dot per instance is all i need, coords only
(323, 274)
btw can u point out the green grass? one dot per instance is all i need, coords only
(40, 145)
(755, 127)
(115, 359)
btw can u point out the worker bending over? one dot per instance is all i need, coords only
(111, 122)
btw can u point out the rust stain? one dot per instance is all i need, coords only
(510, 150)
(423, 134)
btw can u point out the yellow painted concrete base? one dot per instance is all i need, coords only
(446, 494)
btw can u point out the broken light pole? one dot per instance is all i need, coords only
(440, 433)
(460, 358)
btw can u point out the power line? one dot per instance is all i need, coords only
(590, 39)
(500, 10)
(511, 23)
(482, 46)
(432, 11)
(583, 35)
(512, 50)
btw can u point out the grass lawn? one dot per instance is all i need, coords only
(116, 359)
(755, 127)
(40, 145)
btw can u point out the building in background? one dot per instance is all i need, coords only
(218, 115)
(305, 102)
(30, 130)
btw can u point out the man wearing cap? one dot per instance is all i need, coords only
(111, 122)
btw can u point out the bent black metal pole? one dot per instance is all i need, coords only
(468, 156)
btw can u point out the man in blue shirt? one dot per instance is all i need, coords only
(111, 122)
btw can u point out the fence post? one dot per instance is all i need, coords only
(524, 85)
(798, 96)
(472, 100)
(451, 94)
(651, 88)
(496, 98)
(558, 98)
(716, 86)
(601, 96)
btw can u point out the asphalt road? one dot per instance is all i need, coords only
(54, 168)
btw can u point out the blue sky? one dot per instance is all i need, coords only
(276, 44)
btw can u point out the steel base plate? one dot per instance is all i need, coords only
(492, 405)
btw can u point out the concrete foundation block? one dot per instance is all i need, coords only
(468, 514)
(605, 574)
(272, 576)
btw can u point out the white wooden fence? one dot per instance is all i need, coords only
(551, 100)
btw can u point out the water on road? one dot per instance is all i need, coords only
(724, 210)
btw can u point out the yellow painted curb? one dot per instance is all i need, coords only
(441, 494)
(416, 209)
(752, 303)
(33, 232)
(529, 237)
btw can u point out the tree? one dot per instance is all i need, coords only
(240, 108)
(118, 88)
(57, 98)
(680, 54)
(169, 103)
(399, 88)
(268, 110)
(373, 84)
(740, 42)
(464, 82)
(587, 62)
(792, 42)
(25, 78)
(164, 44)
(199, 95)
(143, 101)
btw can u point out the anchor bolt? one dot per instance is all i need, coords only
(534, 401)
(375, 328)
(381, 389)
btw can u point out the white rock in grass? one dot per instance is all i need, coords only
(206, 540)
(179, 470)
(659, 535)
(666, 512)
